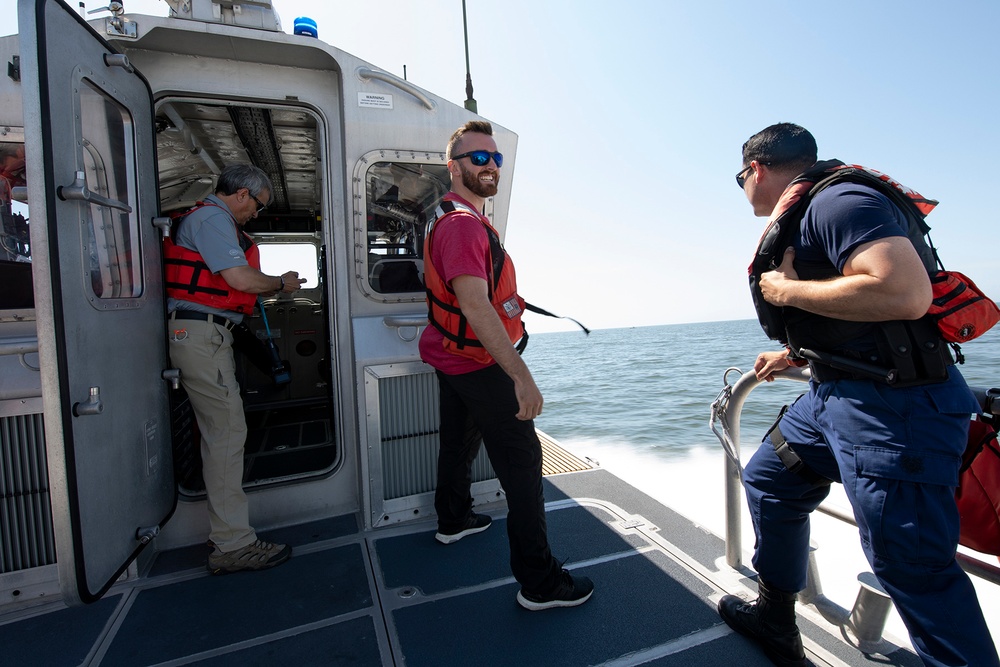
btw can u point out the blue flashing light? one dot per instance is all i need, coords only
(305, 26)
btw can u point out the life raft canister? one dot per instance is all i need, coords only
(188, 278)
(443, 311)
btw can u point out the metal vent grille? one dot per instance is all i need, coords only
(26, 538)
(408, 435)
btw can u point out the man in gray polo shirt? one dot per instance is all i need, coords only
(213, 278)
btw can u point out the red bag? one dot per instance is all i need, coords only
(961, 310)
(978, 494)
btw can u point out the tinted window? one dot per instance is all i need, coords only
(113, 260)
(400, 198)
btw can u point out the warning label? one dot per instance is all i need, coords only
(375, 100)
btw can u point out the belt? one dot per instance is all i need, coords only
(204, 317)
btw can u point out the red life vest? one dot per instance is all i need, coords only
(443, 311)
(188, 278)
(978, 494)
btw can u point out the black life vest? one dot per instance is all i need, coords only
(787, 216)
(801, 330)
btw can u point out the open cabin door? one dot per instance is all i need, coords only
(99, 296)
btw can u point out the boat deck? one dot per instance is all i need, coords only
(396, 597)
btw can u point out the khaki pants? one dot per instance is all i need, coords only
(204, 354)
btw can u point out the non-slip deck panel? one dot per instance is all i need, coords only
(185, 558)
(729, 650)
(62, 637)
(639, 601)
(696, 541)
(707, 549)
(207, 613)
(418, 560)
(351, 643)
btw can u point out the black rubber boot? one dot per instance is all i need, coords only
(770, 621)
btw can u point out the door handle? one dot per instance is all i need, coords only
(173, 376)
(78, 191)
(92, 406)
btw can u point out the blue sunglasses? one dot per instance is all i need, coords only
(481, 158)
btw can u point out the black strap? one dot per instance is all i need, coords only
(197, 267)
(826, 366)
(542, 311)
(204, 317)
(790, 459)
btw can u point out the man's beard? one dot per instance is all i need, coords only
(477, 187)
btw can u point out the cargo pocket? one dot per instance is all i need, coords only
(906, 501)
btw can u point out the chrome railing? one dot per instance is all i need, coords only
(726, 410)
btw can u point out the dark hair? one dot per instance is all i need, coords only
(478, 126)
(782, 145)
(238, 176)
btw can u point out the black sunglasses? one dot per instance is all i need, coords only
(741, 178)
(481, 158)
(260, 207)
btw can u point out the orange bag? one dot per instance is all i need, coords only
(962, 312)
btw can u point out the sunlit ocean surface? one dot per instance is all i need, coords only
(650, 388)
(637, 401)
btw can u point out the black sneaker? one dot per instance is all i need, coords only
(570, 592)
(476, 523)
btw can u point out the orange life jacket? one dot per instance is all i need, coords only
(978, 494)
(188, 278)
(443, 311)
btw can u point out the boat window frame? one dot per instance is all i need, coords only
(115, 242)
(367, 262)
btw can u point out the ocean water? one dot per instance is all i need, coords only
(649, 389)
(638, 401)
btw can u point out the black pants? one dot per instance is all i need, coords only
(483, 402)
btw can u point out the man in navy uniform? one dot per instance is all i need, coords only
(850, 274)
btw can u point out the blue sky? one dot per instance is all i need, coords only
(631, 116)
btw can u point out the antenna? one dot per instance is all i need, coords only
(470, 102)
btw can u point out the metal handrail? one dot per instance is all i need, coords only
(727, 409)
(366, 73)
(21, 346)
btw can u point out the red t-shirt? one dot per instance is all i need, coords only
(460, 248)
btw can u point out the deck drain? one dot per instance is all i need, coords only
(407, 592)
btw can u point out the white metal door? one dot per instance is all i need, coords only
(99, 295)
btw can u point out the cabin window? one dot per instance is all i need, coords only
(113, 260)
(277, 258)
(15, 244)
(400, 197)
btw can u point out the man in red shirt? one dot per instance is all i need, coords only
(485, 387)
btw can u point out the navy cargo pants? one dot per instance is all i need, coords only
(897, 453)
